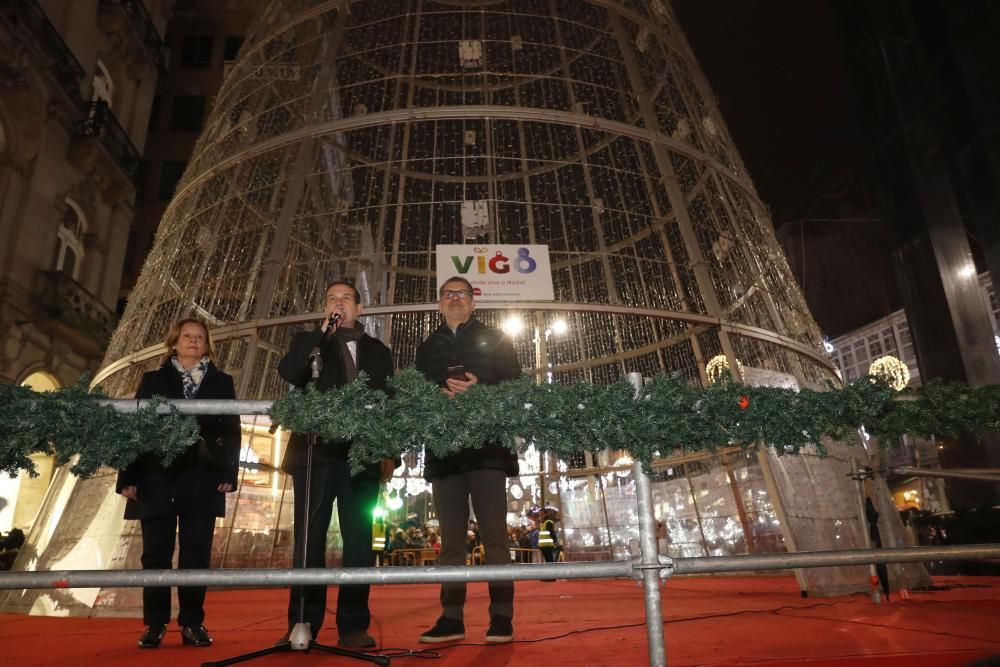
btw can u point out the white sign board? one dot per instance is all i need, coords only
(762, 377)
(499, 272)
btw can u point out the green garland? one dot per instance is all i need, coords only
(669, 414)
(70, 424)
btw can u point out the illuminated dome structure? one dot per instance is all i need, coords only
(351, 138)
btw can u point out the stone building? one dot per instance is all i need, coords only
(77, 79)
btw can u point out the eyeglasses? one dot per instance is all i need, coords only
(455, 294)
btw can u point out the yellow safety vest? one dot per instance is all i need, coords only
(378, 537)
(545, 534)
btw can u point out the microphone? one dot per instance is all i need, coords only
(333, 321)
(315, 363)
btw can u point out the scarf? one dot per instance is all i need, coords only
(191, 378)
(342, 337)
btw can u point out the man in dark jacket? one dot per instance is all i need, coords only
(460, 353)
(344, 350)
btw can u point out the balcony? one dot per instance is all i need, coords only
(74, 314)
(130, 19)
(99, 142)
(28, 20)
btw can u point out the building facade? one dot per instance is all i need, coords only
(853, 354)
(77, 79)
(204, 39)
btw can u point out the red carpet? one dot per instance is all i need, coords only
(709, 621)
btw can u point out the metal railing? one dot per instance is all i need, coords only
(99, 121)
(66, 300)
(646, 563)
(142, 23)
(64, 65)
(664, 567)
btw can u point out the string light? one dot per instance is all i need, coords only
(892, 370)
(718, 366)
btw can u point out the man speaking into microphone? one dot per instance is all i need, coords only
(331, 356)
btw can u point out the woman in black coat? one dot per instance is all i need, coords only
(185, 497)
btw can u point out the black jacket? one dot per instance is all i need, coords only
(487, 353)
(373, 357)
(189, 485)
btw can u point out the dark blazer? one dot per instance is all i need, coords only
(189, 485)
(373, 358)
(487, 353)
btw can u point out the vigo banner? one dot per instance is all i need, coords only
(499, 272)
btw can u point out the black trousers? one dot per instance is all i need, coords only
(158, 538)
(488, 491)
(355, 496)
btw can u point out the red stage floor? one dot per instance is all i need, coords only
(708, 621)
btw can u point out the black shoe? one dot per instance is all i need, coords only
(501, 630)
(356, 640)
(152, 637)
(195, 635)
(445, 630)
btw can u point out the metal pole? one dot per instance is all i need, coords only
(192, 406)
(263, 577)
(601, 485)
(650, 556)
(985, 476)
(808, 559)
(865, 530)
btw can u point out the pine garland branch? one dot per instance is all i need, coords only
(73, 426)
(668, 414)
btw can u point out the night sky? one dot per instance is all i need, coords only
(778, 70)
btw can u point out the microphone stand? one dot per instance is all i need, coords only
(300, 638)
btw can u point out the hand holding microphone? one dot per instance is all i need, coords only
(332, 322)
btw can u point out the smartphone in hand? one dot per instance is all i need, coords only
(457, 373)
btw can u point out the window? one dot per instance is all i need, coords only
(170, 176)
(69, 240)
(232, 48)
(860, 353)
(196, 51)
(103, 87)
(889, 342)
(875, 346)
(41, 381)
(187, 112)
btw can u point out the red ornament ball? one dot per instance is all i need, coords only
(744, 402)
